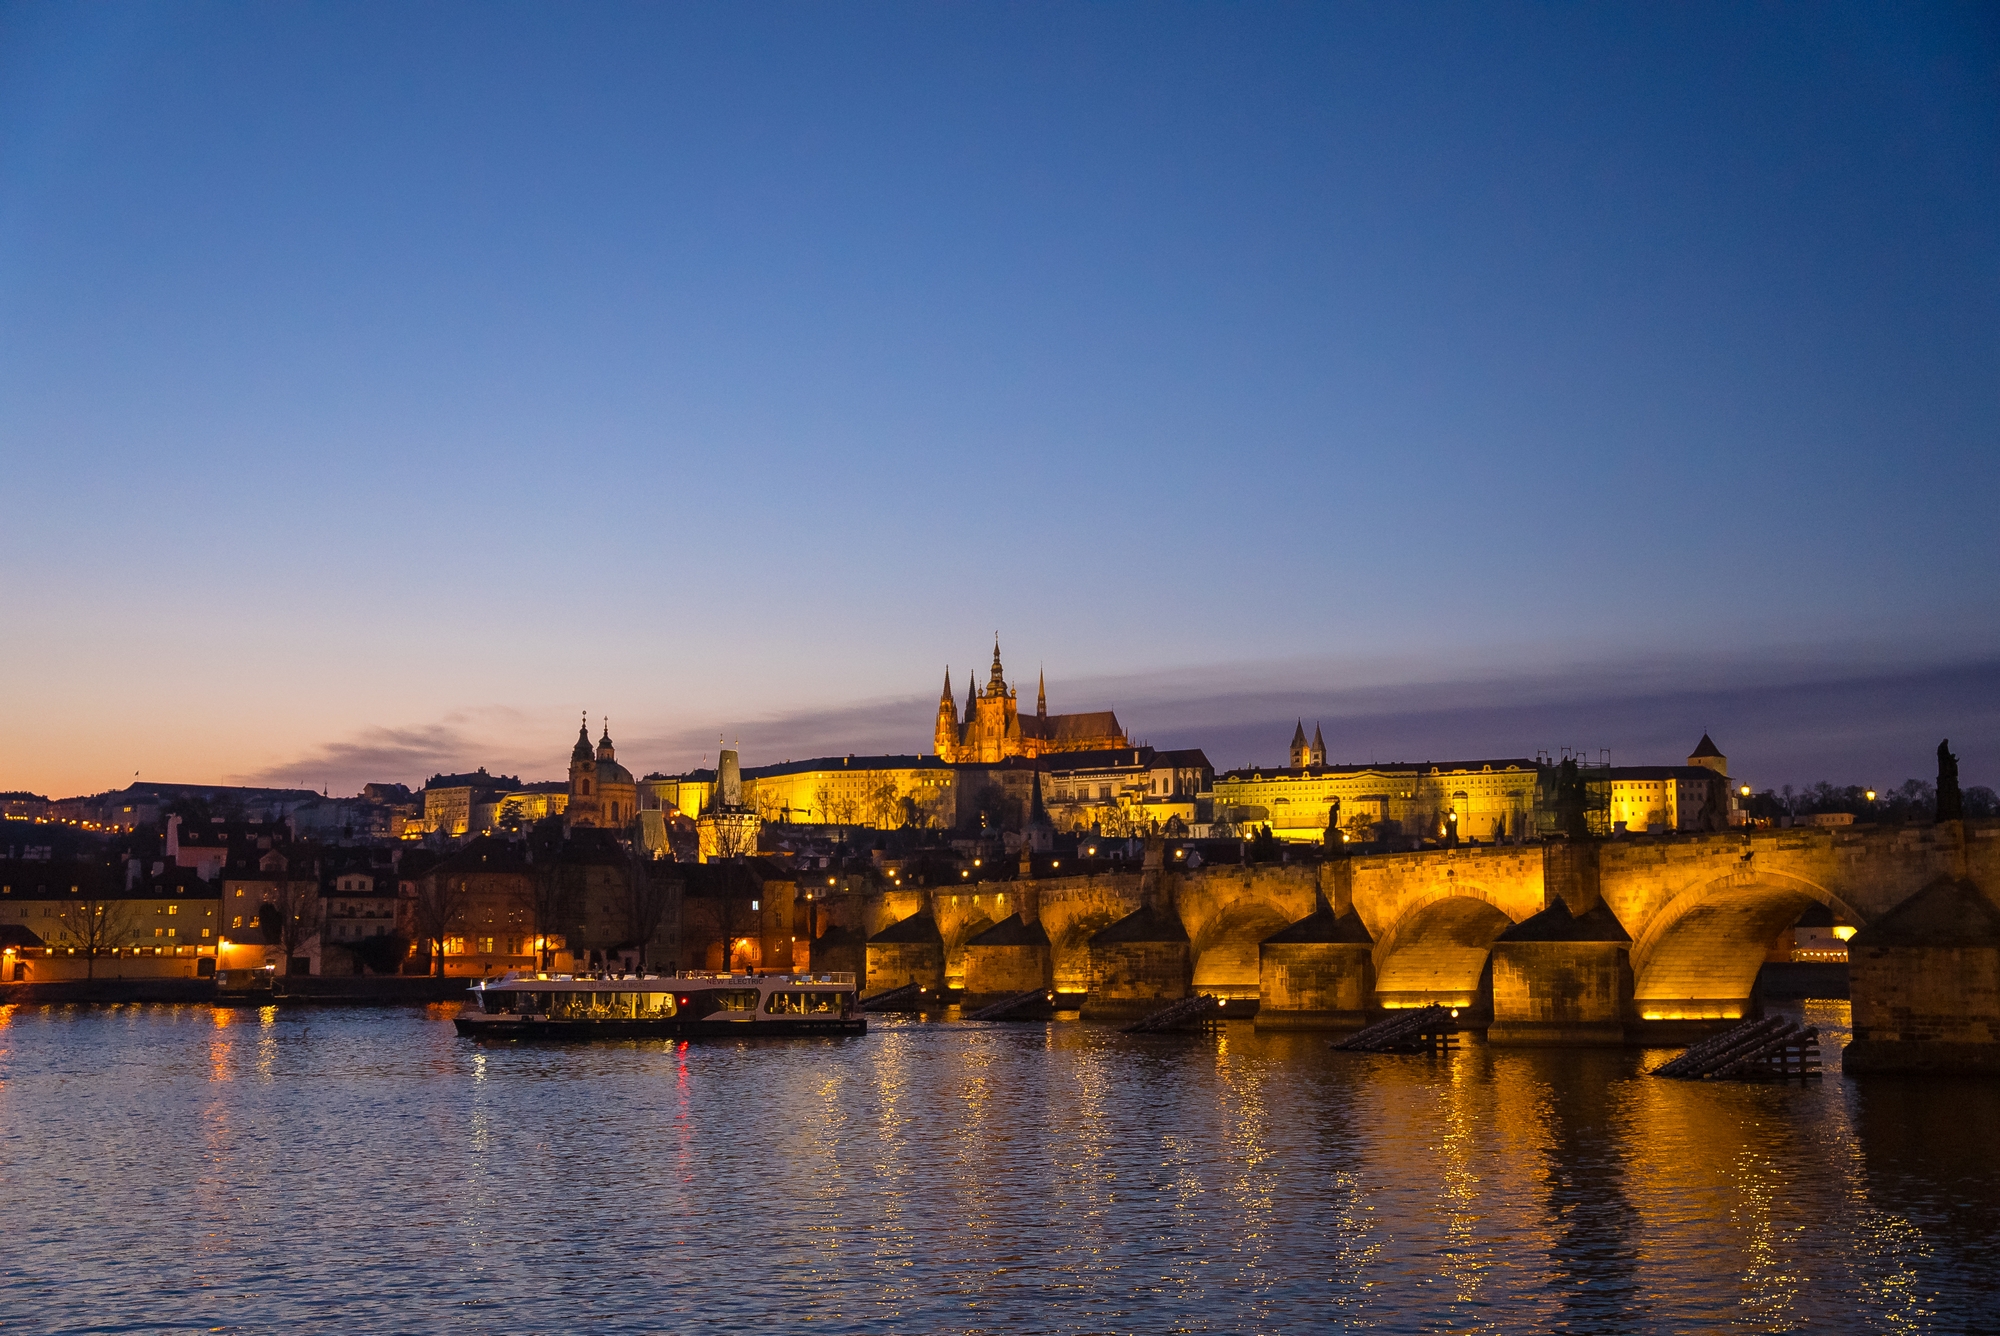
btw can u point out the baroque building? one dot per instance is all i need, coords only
(994, 729)
(602, 793)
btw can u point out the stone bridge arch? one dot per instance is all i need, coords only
(1438, 949)
(1224, 946)
(1697, 956)
(1229, 911)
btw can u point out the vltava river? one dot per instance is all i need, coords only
(187, 1169)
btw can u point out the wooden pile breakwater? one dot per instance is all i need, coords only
(910, 997)
(1007, 1008)
(1189, 1011)
(1770, 1049)
(1429, 1029)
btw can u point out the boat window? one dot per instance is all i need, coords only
(801, 1004)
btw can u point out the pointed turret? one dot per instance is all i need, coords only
(996, 684)
(971, 698)
(581, 752)
(946, 735)
(605, 751)
(1041, 694)
(1709, 756)
(1318, 755)
(1298, 750)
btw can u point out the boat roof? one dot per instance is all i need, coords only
(686, 980)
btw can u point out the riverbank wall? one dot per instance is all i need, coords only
(298, 990)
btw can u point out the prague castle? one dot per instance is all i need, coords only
(995, 730)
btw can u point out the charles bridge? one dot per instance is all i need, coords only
(1641, 939)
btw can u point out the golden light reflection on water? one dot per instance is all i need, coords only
(967, 1178)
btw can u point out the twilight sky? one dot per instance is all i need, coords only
(381, 385)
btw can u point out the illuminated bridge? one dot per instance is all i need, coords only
(1554, 942)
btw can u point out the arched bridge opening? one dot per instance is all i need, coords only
(1698, 958)
(1439, 954)
(1225, 946)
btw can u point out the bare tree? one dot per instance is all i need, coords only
(94, 923)
(768, 803)
(886, 809)
(439, 910)
(555, 886)
(293, 911)
(734, 838)
(648, 896)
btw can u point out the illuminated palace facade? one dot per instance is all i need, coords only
(995, 730)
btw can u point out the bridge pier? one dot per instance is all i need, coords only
(1318, 974)
(911, 951)
(1924, 983)
(1138, 965)
(1011, 957)
(1562, 979)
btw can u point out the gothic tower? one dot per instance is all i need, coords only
(1300, 753)
(947, 721)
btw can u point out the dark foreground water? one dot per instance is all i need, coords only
(182, 1169)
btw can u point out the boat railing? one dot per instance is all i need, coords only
(839, 977)
(830, 976)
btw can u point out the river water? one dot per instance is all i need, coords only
(188, 1169)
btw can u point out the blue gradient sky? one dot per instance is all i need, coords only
(380, 385)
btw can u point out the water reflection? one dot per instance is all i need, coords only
(1575, 1102)
(369, 1170)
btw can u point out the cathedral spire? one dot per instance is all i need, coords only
(997, 683)
(945, 698)
(1041, 694)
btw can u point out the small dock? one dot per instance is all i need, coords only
(1418, 1030)
(1772, 1049)
(1200, 1012)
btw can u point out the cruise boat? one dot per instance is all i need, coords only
(525, 1005)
